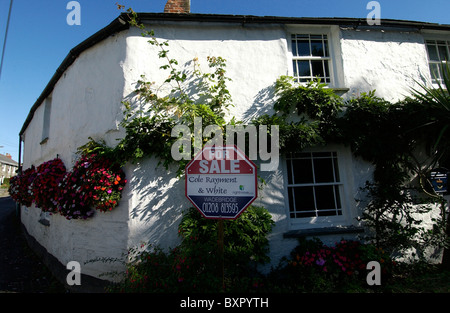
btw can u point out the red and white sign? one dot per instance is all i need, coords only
(221, 182)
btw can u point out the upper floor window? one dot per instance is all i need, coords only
(438, 55)
(311, 57)
(46, 121)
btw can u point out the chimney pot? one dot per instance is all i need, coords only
(178, 6)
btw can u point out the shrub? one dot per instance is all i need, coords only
(194, 265)
(315, 267)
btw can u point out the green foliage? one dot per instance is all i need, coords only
(391, 135)
(194, 265)
(306, 115)
(437, 104)
(148, 122)
(394, 216)
(293, 136)
(437, 97)
(315, 267)
(5, 183)
(246, 237)
(314, 100)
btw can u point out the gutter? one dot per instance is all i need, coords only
(251, 19)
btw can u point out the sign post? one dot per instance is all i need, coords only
(221, 251)
(221, 182)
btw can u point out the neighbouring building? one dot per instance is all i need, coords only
(8, 167)
(83, 99)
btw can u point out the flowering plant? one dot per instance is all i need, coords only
(20, 187)
(317, 267)
(45, 185)
(94, 182)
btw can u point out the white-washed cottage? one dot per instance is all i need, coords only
(83, 99)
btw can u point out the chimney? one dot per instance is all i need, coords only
(8, 156)
(178, 6)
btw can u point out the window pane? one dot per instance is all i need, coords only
(303, 48)
(338, 197)
(303, 68)
(443, 55)
(305, 214)
(323, 170)
(304, 198)
(327, 72)
(327, 54)
(294, 46)
(434, 69)
(317, 48)
(321, 154)
(336, 170)
(325, 198)
(303, 171)
(317, 67)
(294, 65)
(432, 52)
(289, 170)
(291, 199)
(302, 155)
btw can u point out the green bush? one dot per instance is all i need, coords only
(5, 183)
(195, 265)
(315, 267)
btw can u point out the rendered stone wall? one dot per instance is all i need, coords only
(86, 102)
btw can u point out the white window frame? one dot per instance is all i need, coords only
(334, 58)
(437, 42)
(346, 193)
(324, 59)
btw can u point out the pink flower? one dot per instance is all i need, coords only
(320, 262)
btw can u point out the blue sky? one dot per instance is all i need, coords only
(39, 37)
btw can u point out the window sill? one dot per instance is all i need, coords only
(311, 232)
(44, 141)
(340, 90)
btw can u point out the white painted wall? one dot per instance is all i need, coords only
(389, 62)
(86, 102)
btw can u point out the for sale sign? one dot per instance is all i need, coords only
(221, 182)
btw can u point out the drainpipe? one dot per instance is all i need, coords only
(18, 173)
